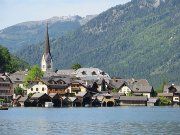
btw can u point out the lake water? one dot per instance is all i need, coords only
(93, 121)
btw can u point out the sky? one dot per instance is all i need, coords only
(17, 11)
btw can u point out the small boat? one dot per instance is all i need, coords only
(3, 108)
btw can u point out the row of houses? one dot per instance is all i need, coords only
(98, 90)
(82, 100)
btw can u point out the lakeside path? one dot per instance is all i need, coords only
(77, 121)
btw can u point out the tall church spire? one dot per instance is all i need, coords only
(47, 46)
(46, 62)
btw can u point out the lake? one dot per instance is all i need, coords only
(98, 121)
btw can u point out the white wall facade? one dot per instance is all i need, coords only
(37, 88)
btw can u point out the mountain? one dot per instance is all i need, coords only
(139, 39)
(30, 33)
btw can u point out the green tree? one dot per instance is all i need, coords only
(19, 91)
(76, 66)
(129, 93)
(30, 95)
(115, 90)
(164, 101)
(10, 63)
(4, 58)
(33, 74)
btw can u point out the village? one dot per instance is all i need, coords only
(82, 87)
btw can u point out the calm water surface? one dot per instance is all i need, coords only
(96, 121)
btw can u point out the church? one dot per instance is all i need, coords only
(47, 62)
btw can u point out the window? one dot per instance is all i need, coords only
(36, 89)
(83, 72)
(42, 89)
(31, 89)
(94, 73)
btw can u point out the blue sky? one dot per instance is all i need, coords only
(16, 11)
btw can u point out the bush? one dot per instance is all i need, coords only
(164, 101)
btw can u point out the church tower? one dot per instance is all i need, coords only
(46, 62)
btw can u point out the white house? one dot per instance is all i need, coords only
(37, 87)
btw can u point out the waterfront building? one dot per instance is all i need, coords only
(39, 99)
(68, 101)
(24, 101)
(18, 78)
(54, 84)
(37, 86)
(6, 87)
(133, 101)
(56, 99)
(108, 100)
(139, 87)
(76, 87)
(171, 92)
(153, 101)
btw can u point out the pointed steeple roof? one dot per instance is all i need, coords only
(47, 45)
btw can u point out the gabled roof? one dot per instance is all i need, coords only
(37, 95)
(18, 76)
(81, 94)
(166, 88)
(17, 97)
(52, 95)
(58, 86)
(5, 79)
(141, 88)
(23, 99)
(66, 72)
(72, 99)
(116, 83)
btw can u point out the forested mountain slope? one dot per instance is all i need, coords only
(139, 39)
(32, 32)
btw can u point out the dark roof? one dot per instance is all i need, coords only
(166, 88)
(133, 98)
(116, 83)
(58, 86)
(141, 88)
(117, 95)
(18, 76)
(65, 79)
